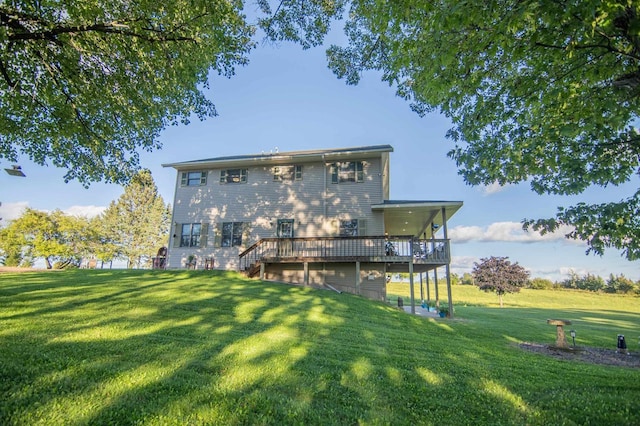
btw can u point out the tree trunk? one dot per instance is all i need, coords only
(500, 299)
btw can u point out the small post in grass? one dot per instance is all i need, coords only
(573, 337)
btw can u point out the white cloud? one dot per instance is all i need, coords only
(10, 211)
(462, 264)
(494, 188)
(504, 232)
(86, 211)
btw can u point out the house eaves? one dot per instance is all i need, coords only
(289, 157)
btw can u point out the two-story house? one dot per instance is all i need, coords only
(320, 217)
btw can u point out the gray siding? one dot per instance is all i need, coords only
(314, 203)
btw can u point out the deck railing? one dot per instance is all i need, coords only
(344, 249)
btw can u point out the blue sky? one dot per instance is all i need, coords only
(286, 98)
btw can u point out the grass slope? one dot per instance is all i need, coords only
(135, 347)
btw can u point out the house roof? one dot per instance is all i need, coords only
(415, 217)
(284, 157)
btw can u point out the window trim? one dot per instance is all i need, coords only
(343, 227)
(338, 173)
(186, 179)
(227, 177)
(192, 239)
(235, 238)
(281, 222)
(287, 173)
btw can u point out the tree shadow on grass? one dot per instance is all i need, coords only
(179, 348)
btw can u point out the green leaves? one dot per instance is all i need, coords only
(607, 225)
(85, 84)
(547, 93)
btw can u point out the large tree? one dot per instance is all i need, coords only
(499, 275)
(59, 239)
(84, 84)
(545, 92)
(14, 250)
(137, 224)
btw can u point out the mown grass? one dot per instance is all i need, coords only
(157, 348)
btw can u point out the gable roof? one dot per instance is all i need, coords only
(284, 157)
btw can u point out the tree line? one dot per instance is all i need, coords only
(501, 276)
(131, 228)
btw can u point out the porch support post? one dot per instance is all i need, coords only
(447, 266)
(428, 290)
(413, 299)
(358, 277)
(262, 271)
(449, 290)
(421, 289)
(435, 284)
(306, 273)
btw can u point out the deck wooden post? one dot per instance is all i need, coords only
(306, 273)
(413, 299)
(427, 286)
(448, 271)
(262, 271)
(435, 284)
(357, 278)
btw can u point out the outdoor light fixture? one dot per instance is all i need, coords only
(573, 336)
(15, 170)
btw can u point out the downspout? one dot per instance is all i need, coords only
(324, 195)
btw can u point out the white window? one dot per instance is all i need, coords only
(349, 228)
(193, 178)
(281, 173)
(190, 235)
(347, 171)
(232, 234)
(285, 228)
(233, 176)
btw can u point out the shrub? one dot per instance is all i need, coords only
(619, 284)
(586, 282)
(541, 284)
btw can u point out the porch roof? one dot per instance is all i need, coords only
(413, 217)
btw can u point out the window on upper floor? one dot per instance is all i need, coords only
(233, 176)
(352, 227)
(281, 173)
(347, 171)
(198, 178)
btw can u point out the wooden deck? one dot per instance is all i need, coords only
(399, 250)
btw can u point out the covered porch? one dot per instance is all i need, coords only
(422, 220)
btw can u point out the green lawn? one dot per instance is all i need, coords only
(157, 348)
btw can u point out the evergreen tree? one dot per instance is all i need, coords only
(137, 224)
